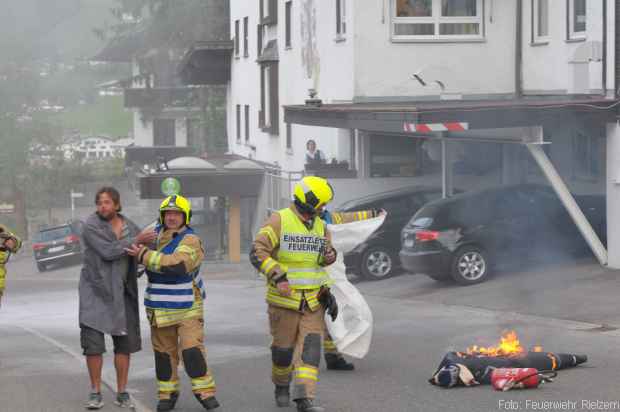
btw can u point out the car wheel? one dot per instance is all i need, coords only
(41, 267)
(377, 263)
(470, 266)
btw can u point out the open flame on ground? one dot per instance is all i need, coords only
(508, 345)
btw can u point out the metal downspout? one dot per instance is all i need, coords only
(444, 169)
(519, 51)
(604, 57)
(569, 202)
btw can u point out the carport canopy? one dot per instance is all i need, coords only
(465, 120)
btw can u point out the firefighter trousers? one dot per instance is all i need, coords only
(187, 339)
(296, 348)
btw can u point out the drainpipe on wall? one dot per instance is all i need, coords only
(604, 61)
(519, 51)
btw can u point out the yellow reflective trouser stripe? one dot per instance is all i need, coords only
(190, 251)
(282, 371)
(303, 372)
(270, 233)
(203, 383)
(329, 344)
(168, 386)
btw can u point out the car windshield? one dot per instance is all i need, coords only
(53, 234)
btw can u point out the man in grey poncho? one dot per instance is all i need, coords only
(109, 293)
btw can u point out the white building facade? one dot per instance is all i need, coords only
(369, 51)
(385, 58)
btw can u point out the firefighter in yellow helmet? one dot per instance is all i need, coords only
(9, 243)
(292, 249)
(174, 303)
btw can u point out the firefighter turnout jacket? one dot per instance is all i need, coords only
(175, 290)
(5, 252)
(287, 247)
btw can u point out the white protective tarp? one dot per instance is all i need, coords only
(352, 329)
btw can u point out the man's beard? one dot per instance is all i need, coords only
(110, 216)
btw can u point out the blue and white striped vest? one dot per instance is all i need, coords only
(173, 291)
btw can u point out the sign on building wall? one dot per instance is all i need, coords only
(7, 208)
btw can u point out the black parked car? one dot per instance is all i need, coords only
(463, 237)
(377, 257)
(58, 244)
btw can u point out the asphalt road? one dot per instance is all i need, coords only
(564, 308)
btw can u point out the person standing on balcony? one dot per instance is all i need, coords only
(313, 155)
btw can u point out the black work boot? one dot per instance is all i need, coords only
(337, 362)
(283, 397)
(306, 405)
(165, 405)
(209, 403)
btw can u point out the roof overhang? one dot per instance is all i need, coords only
(487, 114)
(269, 53)
(207, 63)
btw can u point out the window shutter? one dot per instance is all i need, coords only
(261, 113)
(273, 11)
(274, 108)
(259, 40)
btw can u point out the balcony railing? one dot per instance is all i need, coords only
(178, 97)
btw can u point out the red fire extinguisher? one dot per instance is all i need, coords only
(504, 379)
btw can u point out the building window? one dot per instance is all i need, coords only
(287, 23)
(238, 118)
(401, 156)
(588, 155)
(193, 127)
(246, 51)
(341, 18)
(259, 40)
(269, 12)
(247, 122)
(289, 136)
(576, 19)
(269, 113)
(540, 21)
(164, 132)
(237, 38)
(437, 19)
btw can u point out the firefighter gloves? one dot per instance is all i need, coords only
(329, 303)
